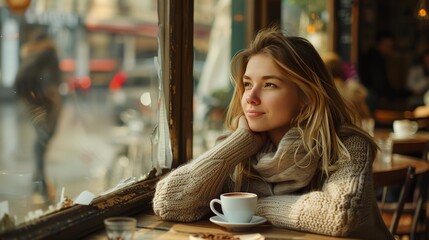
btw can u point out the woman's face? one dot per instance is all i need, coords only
(269, 100)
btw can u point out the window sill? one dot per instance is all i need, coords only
(80, 220)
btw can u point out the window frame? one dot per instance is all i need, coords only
(176, 27)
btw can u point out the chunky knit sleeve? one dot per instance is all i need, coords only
(342, 207)
(185, 193)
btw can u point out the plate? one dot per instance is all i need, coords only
(203, 236)
(256, 220)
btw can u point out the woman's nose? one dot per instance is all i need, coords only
(253, 98)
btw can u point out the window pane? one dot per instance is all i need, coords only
(308, 19)
(211, 70)
(91, 123)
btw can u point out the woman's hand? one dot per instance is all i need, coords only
(242, 123)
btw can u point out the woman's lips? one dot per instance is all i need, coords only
(253, 114)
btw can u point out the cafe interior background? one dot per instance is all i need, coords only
(115, 122)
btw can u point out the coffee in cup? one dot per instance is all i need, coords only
(404, 127)
(237, 207)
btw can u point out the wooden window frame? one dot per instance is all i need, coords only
(176, 27)
(78, 221)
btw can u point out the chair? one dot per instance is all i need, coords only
(420, 221)
(425, 154)
(403, 177)
(420, 218)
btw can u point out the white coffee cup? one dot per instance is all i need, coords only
(237, 207)
(405, 127)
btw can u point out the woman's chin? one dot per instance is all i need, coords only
(257, 129)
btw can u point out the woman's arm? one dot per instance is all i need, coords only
(344, 203)
(185, 193)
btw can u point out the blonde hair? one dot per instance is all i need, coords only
(323, 110)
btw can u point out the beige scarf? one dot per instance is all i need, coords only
(290, 167)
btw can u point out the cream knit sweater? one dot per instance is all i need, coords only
(344, 206)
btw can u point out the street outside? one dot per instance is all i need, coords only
(86, 153)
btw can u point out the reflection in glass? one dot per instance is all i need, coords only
(212, 59)
(212, 46)
(308, 19)
(108, 88)
(36, 86)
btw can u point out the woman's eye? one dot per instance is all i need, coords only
(247, 84)
(270, 85)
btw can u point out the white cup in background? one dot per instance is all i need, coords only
(404, 127)
(237, 207)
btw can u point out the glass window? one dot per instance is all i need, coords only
(218, 24)
(212, 46)
(80, 101)
(308, 19)
(111, 98)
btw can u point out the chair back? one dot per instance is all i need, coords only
(425, 154)
(403, 177)
(421, 211)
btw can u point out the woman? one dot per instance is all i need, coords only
(293, 141)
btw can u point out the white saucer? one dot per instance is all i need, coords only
(256, 220)
(402, 136)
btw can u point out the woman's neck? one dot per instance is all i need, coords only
(277, 134)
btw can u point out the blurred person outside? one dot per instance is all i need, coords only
(374, 72)
(347, 82)
(36, 84)
(418, 79)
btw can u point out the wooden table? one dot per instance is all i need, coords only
(385, 133)
(151, 227)
(422, 178)
(414, 145)
(401, 161)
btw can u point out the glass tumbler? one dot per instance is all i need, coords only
(386, 147)
(120, 228)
